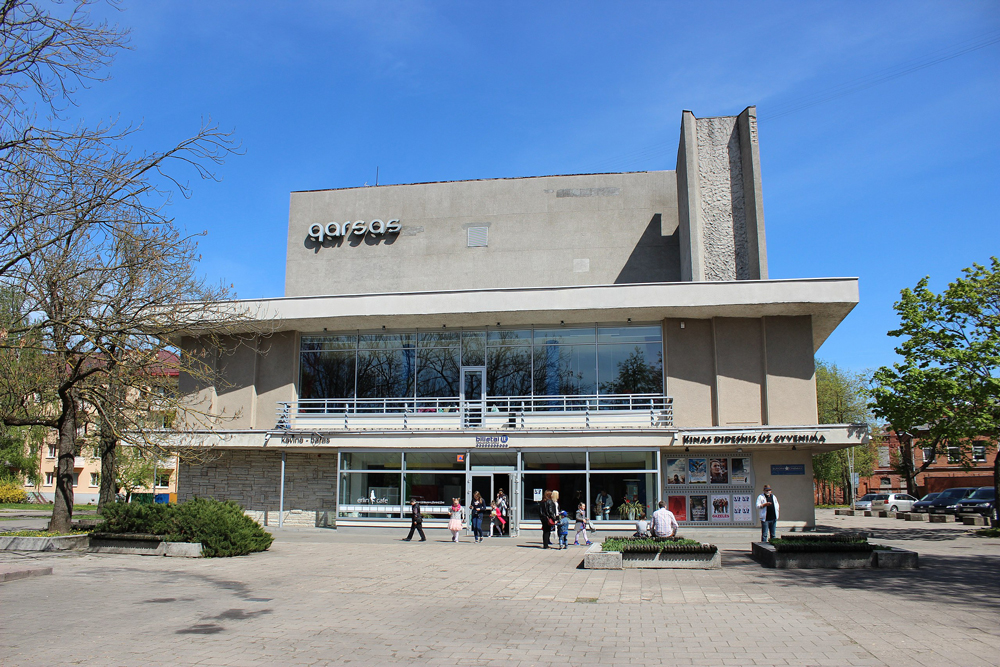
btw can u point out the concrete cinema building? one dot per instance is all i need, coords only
(589, 333)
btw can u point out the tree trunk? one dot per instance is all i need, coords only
(996, 489)
(62, 511)
(109, 456)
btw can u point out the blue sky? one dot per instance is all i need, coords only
(894, 180)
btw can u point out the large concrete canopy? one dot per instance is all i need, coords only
(827, 300)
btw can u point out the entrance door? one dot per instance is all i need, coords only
(473, 396)
(483, 483)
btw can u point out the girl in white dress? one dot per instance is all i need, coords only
(455, 520)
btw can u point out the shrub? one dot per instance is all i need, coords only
(11, 492)
(221, 526)
(811, 546)
(656, 545)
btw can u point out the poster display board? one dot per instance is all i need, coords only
(742, 508)
(678, 506)
(716, 489)
(699, 508)
(676, 471)
(720, 508)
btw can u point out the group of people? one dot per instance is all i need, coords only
(555, 519)
(496, 515)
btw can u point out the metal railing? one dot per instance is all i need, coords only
(492, 412)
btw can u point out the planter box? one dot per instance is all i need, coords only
(596, 559)
(898, 559)
(142, 545)
(58, 543)
(768, 556)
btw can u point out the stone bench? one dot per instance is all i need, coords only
(768, 556)
(938, 518)
(974, 520)
(843, 512)
(916, 516)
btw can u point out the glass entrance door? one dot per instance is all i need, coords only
(473, 396)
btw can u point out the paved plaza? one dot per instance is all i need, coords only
(363, 597)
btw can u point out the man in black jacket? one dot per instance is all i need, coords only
(416, 521)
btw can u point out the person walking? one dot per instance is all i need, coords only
(455, 519)
(416, 521)
(581, 524)
(476, 515)
(767, 507)
(502, 507)
(498, 521)
(664, 522)
(563, 530)
(548, 515)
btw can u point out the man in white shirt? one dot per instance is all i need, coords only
(664, 522)
(767, 506)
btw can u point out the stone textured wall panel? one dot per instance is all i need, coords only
(722, 208)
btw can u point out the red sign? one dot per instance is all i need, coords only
(460, 458)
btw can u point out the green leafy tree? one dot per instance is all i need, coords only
(842, 398)
(946, 388)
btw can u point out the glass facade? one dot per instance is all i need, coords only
(546, 361)
(612, 484)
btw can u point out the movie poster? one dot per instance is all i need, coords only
(699, 507)
(742, 508)
(697, 471)
(740, 472)
(676, 471)
(718, 471)
(678, 505)
(720, 508)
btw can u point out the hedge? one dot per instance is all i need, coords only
(656, 545)
(221, 526)
(810, 546)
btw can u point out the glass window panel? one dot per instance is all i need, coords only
(488, 459)
(564, 336)
(630, 334)
(437, 372)
(371, 460)
(358, 489)
(326, 374)
(386, 373)
(435, 461)
(565, 370)
(435, 491)
(329, 342)
(622, 486)
(508, 371)
(439, 339)
(473, 348)
(386, 340)
(622, 460)
(572, 488)
(630, 368)
(508, 337)
(553, 460)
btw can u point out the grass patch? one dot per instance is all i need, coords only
(833, 507)
(988, 532)
(44, 506)
(40, 533)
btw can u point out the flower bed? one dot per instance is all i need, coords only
(839, 551)
(616, 553)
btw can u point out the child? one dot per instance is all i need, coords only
(581, 524)
(455, 520)
(563, 529)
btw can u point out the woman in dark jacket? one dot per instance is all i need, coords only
(547, 509)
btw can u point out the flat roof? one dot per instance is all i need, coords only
(827, 300)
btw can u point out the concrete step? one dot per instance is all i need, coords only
(10, 572)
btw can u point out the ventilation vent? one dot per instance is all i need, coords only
(478, 237)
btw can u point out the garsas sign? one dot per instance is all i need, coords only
(319, 232)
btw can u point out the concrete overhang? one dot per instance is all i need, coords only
(827, 300)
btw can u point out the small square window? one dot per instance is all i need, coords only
(478, 237)
(928, 454)
(76, 479)
(979, 453)
(954, 455)
(52, 452)
(162, 481)
(50, 478)
(95, 479)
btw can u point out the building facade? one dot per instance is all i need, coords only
(945, 471)
(603, 335)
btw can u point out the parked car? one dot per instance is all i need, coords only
(894, 502)
(947, 502)
(925, 502)
(865, 501)
(981, 502)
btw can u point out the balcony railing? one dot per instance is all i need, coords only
(602, 411)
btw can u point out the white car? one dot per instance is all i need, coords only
(894, 502)
(865, 501)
